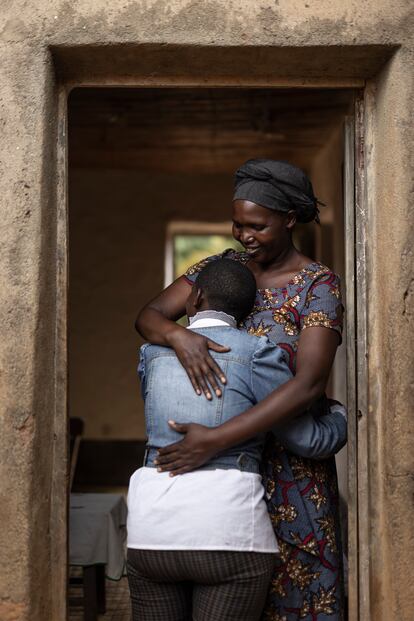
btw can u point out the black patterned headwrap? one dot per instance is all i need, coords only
(277, 185)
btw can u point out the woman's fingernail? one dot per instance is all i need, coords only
(198, 392)
(171, 474)
(209, 396)
(223, 379)
(218, 392)
(156, 462)
(159, 470)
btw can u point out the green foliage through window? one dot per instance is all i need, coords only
(189, 249)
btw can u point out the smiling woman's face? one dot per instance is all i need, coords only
(264, 233)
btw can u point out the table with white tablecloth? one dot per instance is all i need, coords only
(97, 537)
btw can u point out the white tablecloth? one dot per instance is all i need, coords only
(97, 531)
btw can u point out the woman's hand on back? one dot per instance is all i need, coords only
(198, 446)
(156, 323)
(192, 350)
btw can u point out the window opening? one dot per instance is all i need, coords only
(190, 242)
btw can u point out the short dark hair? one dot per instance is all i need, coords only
(229, 286)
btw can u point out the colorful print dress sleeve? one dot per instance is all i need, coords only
(312, 298)
(323, 304)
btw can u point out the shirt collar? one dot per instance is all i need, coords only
(209, 318)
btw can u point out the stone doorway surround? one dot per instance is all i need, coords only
(46, 49)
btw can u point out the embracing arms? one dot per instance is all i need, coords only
(308, 435)
(315, 355)
(156, 322)
(316, 352)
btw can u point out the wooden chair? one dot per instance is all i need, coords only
(76, 426)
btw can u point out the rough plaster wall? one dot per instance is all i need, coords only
(118, 223)
(28, 115)
(32, 27)
(27, 345)
(390, 158)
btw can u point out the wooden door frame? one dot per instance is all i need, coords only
(357, 362)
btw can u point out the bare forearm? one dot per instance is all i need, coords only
(155, 327)
(156, 322)
(288, 401)
(315, 356)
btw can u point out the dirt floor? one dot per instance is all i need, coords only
(118, 607)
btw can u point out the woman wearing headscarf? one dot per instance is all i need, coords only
(298, 306)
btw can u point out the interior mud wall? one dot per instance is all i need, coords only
(118, 222)
(327, 178)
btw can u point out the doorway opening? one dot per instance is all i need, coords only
(146, 166)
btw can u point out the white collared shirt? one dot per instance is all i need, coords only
(200, 510)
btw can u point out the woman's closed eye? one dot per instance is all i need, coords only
(254, 227)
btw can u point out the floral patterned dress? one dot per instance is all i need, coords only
(302, 494)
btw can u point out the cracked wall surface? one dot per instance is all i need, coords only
(44, 44)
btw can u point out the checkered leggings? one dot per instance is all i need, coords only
(204, 585)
